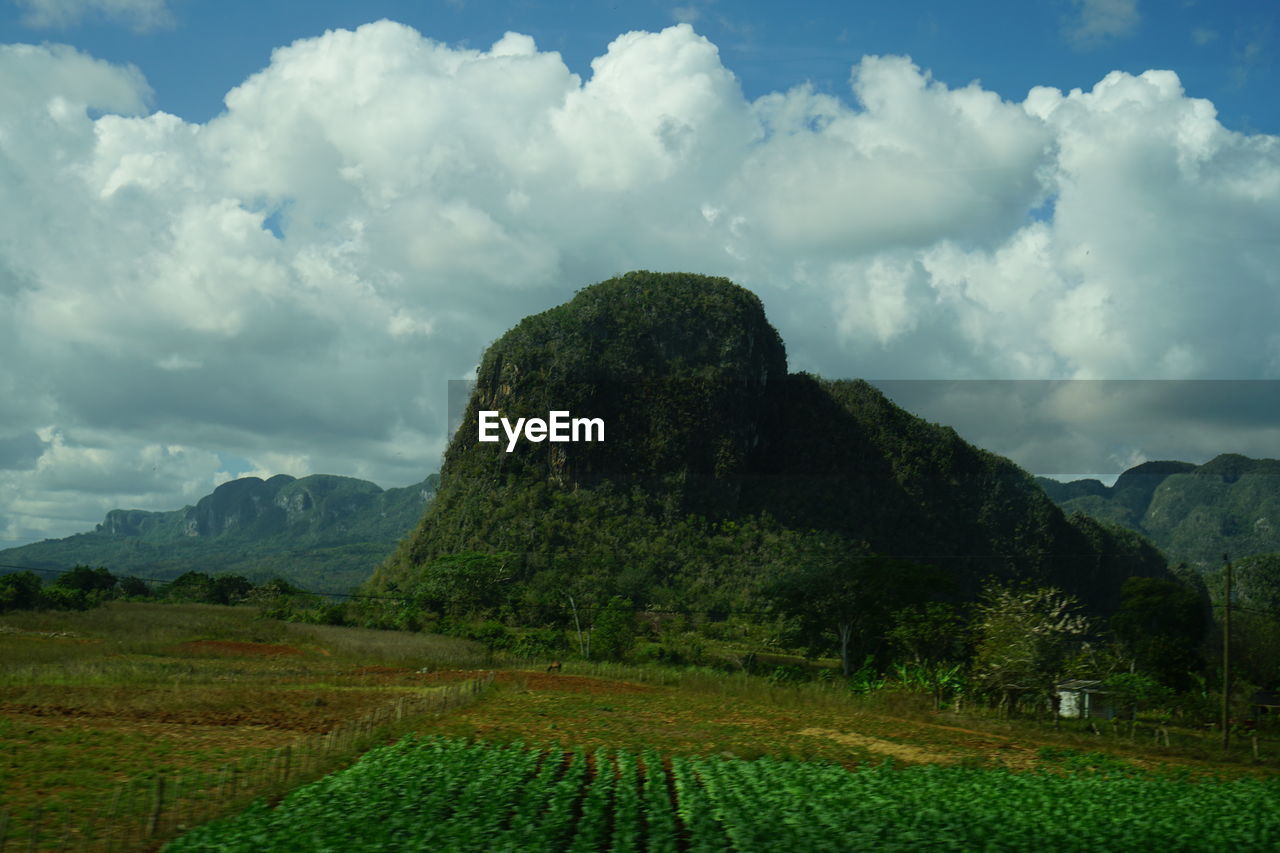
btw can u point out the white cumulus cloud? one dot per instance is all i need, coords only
(292, 283)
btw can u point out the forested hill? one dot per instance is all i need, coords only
(721, 470)
(323, 532)
(1194, 513)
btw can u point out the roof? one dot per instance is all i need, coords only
(1083, 684)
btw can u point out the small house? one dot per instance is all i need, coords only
(1084, 699)
(1265, 704)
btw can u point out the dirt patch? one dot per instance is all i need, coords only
(579, 684)
(226, 647)
(215, 735)
(964, 731)
(266, 719)
(882, 747)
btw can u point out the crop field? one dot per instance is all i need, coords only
(450, 794)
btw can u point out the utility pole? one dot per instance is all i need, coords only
(1226, 651)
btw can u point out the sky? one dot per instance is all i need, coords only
(249, 239)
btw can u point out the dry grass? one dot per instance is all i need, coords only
(142, 644)
(93, 697)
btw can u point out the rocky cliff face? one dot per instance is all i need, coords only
(132, 522)
(243, 506)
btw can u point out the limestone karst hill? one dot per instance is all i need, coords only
(1194, 513)
(714, 455)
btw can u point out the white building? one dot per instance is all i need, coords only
(1084, 699)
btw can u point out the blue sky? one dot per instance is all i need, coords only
(1222, 51)
(261, 238)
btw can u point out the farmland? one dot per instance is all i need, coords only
(97, 705)
(128, 725)
(436, 793)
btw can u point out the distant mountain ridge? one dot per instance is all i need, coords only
(322, 531)
(1194, 513)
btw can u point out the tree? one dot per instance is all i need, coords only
(87, 580)
(191, 586)
(1255, 618)
(132, 587)
(1160, 624)
(934, 638)
(614, 632)
(1134, 691)
(466, 584)
(1024, 638)
(19, 591)
(230, 589)
(839, 594)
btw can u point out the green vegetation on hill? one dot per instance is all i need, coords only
(323, 531)
(717, 470)
(1194, 513)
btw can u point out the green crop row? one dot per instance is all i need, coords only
(449, 795)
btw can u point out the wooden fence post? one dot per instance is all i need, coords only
(157, 807)
(111, 816)
(36, 825)
(66, 831)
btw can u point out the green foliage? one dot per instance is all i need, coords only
(839, 596)
(468, 584)
(1025, 636)
(930, 633)
(438, 794)
(1161, 624)
(19, 591)
(614, 633)
(1079, 761)
(492, 635)
(1135, 692)
(131, 587)
(200, 588)
(1255, 620)
(1194, 514)
(65, 598)
(538, 644)
(86, 580)
(717, 469)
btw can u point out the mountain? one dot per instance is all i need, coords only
(714, 455)
(1194, 513)
(322, 532)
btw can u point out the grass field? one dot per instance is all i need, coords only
(138, 691)
(91, 699)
